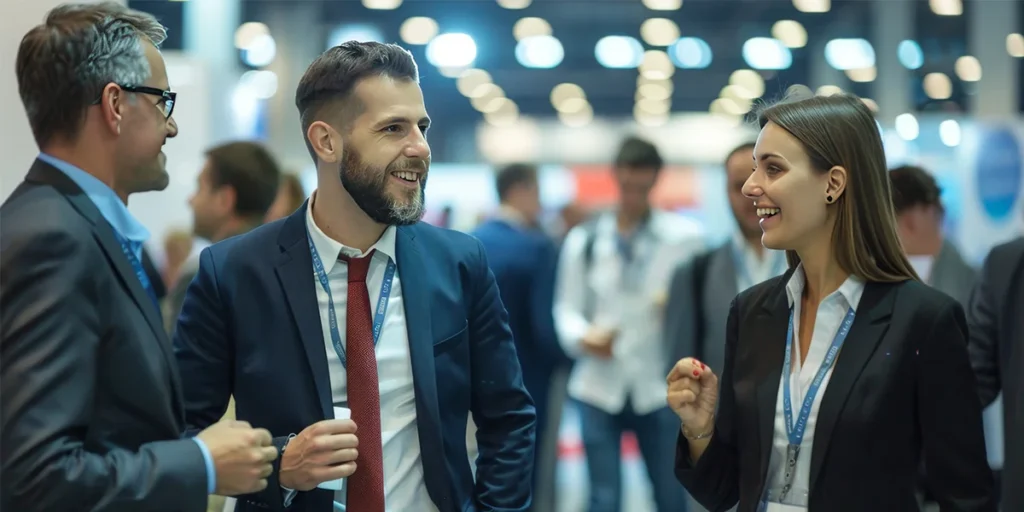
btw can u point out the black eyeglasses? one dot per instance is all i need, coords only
(166, 103)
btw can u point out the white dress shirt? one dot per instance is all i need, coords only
(755, 267)
(632, 304)
(831, 313)
(404, 487)
(923, 266)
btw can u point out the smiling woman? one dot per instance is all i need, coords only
(837, 156)
(849, 316)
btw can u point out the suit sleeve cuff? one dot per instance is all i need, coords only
(211, 471)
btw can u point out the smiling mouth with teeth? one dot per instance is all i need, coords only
(767, 212)
(411, 177)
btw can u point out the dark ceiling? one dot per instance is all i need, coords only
(724, 24)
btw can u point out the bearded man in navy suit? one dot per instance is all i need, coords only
(353, 306)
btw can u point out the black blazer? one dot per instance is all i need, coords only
(901, 389)
(91, 410)
(997, 354)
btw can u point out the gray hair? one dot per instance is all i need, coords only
(64, 64)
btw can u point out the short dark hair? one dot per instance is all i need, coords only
(331, 77)
(913, 186)
(637, 153)
(746, 146)
(251, 171)
(63, 65)
(514, 175)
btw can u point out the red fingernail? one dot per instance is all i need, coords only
(696, 373)
(702, 367)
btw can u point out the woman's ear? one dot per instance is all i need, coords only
(836, 184)
(325, 141)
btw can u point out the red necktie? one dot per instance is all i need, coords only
(366, 485)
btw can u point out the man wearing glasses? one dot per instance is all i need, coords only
(91, 410)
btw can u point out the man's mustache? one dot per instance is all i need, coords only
(411, 164)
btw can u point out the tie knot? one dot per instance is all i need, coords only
(358, 267)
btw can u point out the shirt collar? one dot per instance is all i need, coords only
(766, 257)
(512, 217)
(851, 289)
(744, 248)
(923, 265)
(110, 206)
(330, 249)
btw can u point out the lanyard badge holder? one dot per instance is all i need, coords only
(339, 348)
(787, 497)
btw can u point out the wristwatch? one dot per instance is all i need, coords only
(286, 441)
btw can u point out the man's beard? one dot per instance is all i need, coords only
(368, 187)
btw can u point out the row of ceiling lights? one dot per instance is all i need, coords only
(940, 7)
(656, 67)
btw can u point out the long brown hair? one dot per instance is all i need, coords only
(839, 130)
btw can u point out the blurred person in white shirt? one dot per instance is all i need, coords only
(612, 281)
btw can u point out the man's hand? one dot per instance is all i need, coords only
(322, 452)
(598, 342)
(242, 456)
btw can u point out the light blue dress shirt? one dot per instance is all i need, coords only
(131, 230)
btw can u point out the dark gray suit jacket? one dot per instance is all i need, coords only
(91, 412)
(952, 275)
(719, 288)
(996, 321)
(680, 332)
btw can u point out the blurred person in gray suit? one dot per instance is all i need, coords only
(91, 414)
(996, 327)
(702, 288)
(234, 192)
(916, 197)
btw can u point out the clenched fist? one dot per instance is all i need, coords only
(323, 451)
(242, 456)
(693, 394)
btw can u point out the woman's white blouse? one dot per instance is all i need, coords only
(831, 313)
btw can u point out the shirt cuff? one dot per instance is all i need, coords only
(289, 496)
(211, 470)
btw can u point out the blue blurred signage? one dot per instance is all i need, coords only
(998, 168)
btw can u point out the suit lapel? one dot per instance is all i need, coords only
(413, 275)
(43, 172)
(729, 272)
(295, 273)
(868, 329)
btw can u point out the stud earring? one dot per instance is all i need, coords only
(829, 199)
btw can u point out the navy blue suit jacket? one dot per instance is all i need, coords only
(250, 327)
(524, 262)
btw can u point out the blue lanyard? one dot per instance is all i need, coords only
(140, 271)
(332, 317)
(795, 431)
